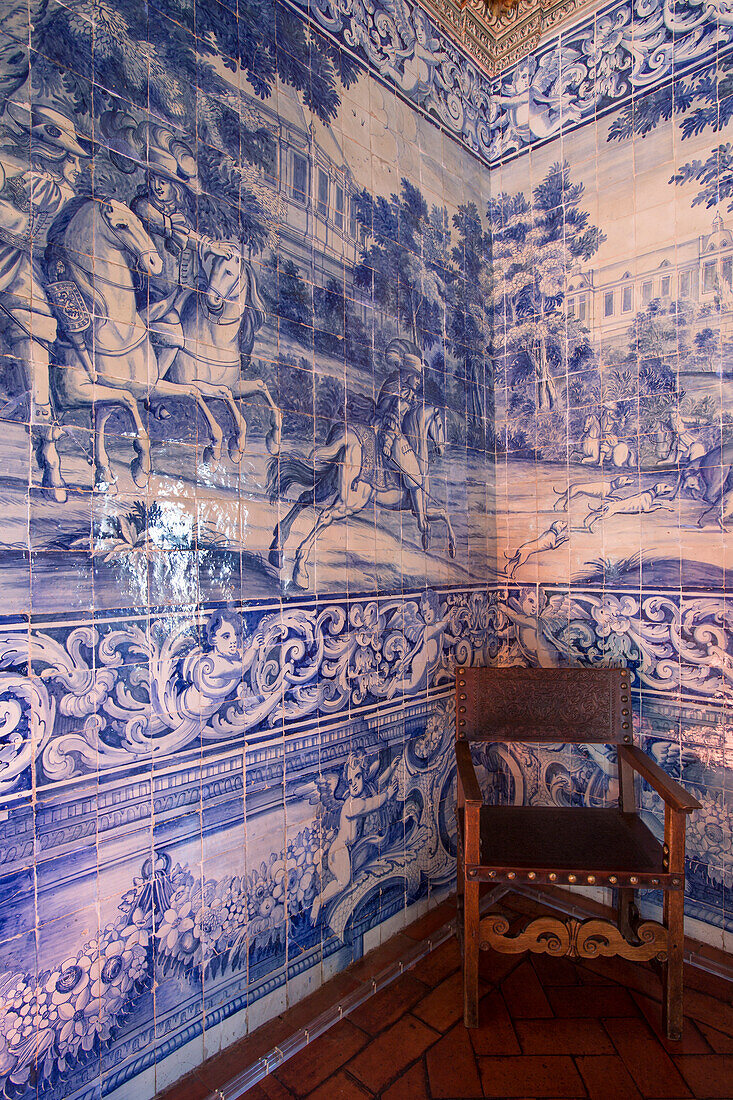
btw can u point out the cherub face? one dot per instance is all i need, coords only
(356, 781)
(225, 641)
(428, 611)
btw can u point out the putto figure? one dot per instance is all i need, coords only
(350, 815)
(31, 196)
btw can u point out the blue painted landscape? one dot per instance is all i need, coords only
(330, 364)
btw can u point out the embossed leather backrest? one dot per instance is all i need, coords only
(544, 704)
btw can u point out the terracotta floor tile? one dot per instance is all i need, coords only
(496, 1034)
(708, 1075)
(391, 1051)
(389, 1004)
(380, 958)
(440, 963)
(340, 1087)
(412, 1085)
(553, 971)
(645, 1058)
(710, 1010)
(192, 1087)
(590, 1000)
(606, 1076)
(696, 978)
(424, 927)
(530, 1076)
(692, 1041)
(452, 1069)
(493, 966)
(268, 1089)
(563, 1037)
(443, 1005)
(306, 1070)
(523, 993)
(718, 1040)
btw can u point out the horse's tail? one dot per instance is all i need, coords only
(284, 471)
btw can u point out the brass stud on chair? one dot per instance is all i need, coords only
(511, 874)
(552, 877)
(612, 878)
(531, 875)
(591, 879)
(571, 878)
(633, 880)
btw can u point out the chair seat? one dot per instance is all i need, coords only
(550, 838)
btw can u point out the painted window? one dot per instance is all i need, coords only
(581, 309)
(666, 286)
(628, 299)
(608, 303)
(727, 271)
(300, 178)
(352, 218)
(646, 292)
(339, 207)
(686, 284)
(708, 278)
(322, 193)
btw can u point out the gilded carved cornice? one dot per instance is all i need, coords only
(496, 33)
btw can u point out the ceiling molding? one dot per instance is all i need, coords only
(497, 33)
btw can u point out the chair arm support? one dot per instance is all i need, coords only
(674, 794)
(467, 773)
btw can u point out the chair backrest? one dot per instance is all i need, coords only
(544, 704)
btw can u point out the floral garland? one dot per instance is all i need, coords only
(169, 922)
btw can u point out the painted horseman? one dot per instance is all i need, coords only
(397, 397)
(161, 206)
(30, 200)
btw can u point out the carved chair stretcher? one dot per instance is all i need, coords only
(567, 846)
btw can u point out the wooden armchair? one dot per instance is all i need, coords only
(558, 846)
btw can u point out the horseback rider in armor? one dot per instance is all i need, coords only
(397, 396)
(160, 206)
(31, 196)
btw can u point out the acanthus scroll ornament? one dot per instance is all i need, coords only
(588, 939)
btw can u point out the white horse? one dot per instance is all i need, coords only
(597, 447)
(101, 242)
(217, 326)
(344, 477)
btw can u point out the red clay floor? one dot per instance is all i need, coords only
(549, 1028)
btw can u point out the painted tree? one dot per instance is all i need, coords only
(701, 102)
(533, 248)
(174, 64)
(660, 338)
(401, 262)
(468, 326)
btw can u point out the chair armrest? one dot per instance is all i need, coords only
(467, 773)
(673, 793)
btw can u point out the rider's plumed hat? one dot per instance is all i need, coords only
(50, 128)
(170, 157)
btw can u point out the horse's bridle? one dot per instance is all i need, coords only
(212, 312)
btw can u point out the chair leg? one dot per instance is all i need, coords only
(674, 922)
(626, 913)
(470, 954)
(460, 880)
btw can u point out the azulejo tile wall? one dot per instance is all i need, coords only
(610, 219)
(307, 326)
(246, 524)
